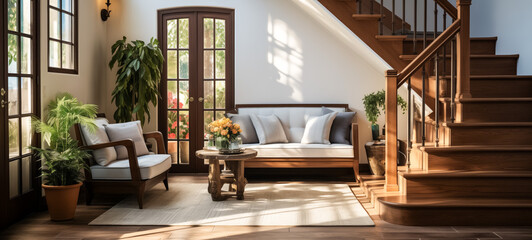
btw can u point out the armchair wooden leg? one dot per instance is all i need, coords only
(88, 193)
(356, 171)
(140, 194)
(165, 181)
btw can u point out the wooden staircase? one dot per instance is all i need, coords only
(480, 170)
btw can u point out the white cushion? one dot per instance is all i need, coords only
(318, 129)
(299, 150)
(150, 166)
(269, 129)
(124, 131)
(293, 119)
(102, 156)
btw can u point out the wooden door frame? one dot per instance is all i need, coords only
(16, 209)
(194, 70)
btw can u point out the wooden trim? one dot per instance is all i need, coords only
(428, 52)
(448, 7)
(299, 164)
(288, 159)
(345, 106)
(391, 131)
(158, 136)
(75, 37)
(463, 52)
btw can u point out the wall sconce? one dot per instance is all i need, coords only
(106, 13)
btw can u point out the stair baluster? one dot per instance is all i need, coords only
(393, 17)
(415, 26)
(382, 18)
(409, 128)
(403, 26)
(453, 75)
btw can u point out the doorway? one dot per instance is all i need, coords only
(197, 86)
(19, 100)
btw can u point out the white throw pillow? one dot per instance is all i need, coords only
(102, 156)
(123, 131)
(318, 129)
(269, 129)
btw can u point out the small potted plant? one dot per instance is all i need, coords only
(374, 105)
(226, 135)
(63, 160)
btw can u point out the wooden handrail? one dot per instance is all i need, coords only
(449, 8)
(428, 52)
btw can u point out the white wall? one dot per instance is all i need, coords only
(86, 84)
(510, 21)
(283, 54)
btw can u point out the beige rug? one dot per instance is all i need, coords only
(265, 204)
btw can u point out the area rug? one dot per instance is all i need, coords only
(265, 204)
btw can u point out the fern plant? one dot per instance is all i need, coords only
(374, 103)
(138, 77)
(63, 158)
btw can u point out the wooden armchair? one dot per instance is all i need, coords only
(138, 182)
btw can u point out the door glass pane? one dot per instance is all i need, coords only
(208, 117)
(66, 26)
(220, 64)
(220, 33)
(26, 175)
(183, 33)
(54, 3)
(220, 94)
(26, 55)
(12, 15)
(208, 32)
(172, 150)
(184, 94)
(54, 24)
(171, 34)
(12, 94)
(208, 64)
(184, 157)
(172, 94)
(26, 96)
(183, 125)
(172, 124)
(13, 138)
(66, 5)
(220, 114)
(13, 178)
(172, 64)
(26, 16)
(26, 134)
(67, 56)
(208, 94)
(55, 49)
(12, 55)
(183, 64)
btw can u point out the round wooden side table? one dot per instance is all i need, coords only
(233, 175)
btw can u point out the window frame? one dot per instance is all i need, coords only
(74, 37)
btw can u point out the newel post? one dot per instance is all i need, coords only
(391, 131)
(463, 50)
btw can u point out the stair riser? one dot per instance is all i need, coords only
(477, 46)
(518, 111)
(458, 136)
(493, 88)
(479, 161)
(468, 187)
(488, 66)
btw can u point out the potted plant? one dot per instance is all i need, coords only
(138, 77)
(226, 135)
(63, 159)
(374, 105)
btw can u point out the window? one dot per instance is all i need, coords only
(63, 36)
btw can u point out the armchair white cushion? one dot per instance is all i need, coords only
(150, 166)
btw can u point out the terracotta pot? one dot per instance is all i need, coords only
(62, 201)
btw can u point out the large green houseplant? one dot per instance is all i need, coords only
(138, 77)
(374, 104)
(63, 159)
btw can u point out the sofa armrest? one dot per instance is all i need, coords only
(354, 139)
(158, 136)
(131, 154)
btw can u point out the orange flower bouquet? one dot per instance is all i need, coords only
(226, 134)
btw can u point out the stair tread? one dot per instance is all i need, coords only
(402, 201)
(411, 57)
(477, 148)
(489, 124)
(390, 37)
(463, 173)
(494, 99)
(472, 38)
(367, 16)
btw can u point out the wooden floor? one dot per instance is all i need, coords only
(38, 226)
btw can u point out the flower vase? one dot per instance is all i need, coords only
(375, 132)
(225, 145)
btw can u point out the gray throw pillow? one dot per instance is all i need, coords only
(123, 131)
(341, 127)
(248, 135)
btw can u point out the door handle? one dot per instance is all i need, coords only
(2, 92)
(191, 99)
(200, 99)
(3, 103)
